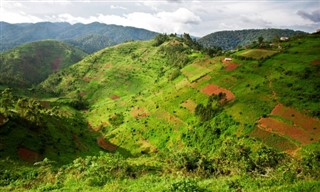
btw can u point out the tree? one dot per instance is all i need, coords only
(260, 40)
(6, 101)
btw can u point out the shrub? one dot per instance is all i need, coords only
(186, 185)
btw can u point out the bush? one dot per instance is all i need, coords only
(186, 185)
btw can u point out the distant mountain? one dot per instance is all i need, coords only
(33, 62)
(232, 39)
(89, 37)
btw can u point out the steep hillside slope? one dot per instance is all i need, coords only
(176, 119)
(163, 90)
(32, 63)
(233, 39)
(13, 35)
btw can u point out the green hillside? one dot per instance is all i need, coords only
(88, 37)
(169, 117)
(32, 63)
(232, 39)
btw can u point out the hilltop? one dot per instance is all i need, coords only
(31, 63)
(169, 115)
(228, 40)
(88, 37)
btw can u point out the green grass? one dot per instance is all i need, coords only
(256, 53)
(194, 72)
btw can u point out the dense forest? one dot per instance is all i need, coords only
(233, 39)
(84, 36)
(32, 63)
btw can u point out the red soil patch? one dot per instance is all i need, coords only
(114, 97)
(106, 145)
(231, 66)
(310, 124)
(55, 65)
(284, 129)
(315, 62)
(190, 105)
(28, 155)
(138, 112)
(214, 89)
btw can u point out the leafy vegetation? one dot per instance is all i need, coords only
(32, 63)
(234, 39)
(150, 101)
(88, 37)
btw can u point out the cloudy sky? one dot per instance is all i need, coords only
(197, 17)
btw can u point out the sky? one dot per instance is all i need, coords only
(196, 17)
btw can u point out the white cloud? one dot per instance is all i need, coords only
(17, 16)
(178, 21)
(170, 16)
(117, 7)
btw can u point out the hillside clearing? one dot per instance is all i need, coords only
(256, 53)
(194, 72)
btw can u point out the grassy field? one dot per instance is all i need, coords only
(256, 53)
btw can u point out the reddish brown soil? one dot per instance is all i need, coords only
(106, 145)
(55, 65)
(315, 62)
(190, 105)
(28, 155)
(114, 97)
(214, 89)
(312, 125)
(139, 112)
(284, 129)
(231, 66)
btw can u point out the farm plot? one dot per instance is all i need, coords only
(273, 140)
(289, 123)
(214, 89)
(310, 124)
(194, 72)
(257, 53)
(284, 129)
(190, 105)
(231, 66)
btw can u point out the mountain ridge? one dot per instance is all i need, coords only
(31, 63)
(238, 38)
(16, 34)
